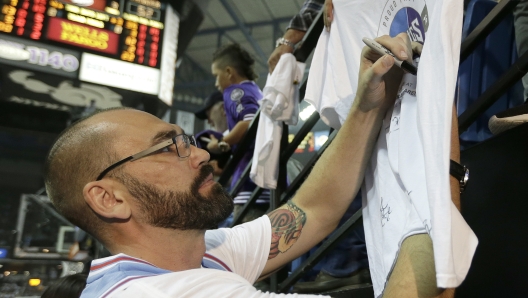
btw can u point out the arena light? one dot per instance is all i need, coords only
(306, 112)
(34, 282)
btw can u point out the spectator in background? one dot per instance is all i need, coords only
(233, 68)
(295, 31)
(214, 112)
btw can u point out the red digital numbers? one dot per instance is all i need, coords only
(22, 14)
(141, 44)
(39, 8)
(154, 46)
(29, 18)
(140, 50)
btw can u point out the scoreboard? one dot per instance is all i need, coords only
(132, 31)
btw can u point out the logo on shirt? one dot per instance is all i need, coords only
(237, 94)
(405, 16)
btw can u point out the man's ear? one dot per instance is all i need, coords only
(230, 71)
(105, 198)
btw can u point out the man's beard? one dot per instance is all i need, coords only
(181, 210)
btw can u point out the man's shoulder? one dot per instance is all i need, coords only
(108, 274)
(226, 236)
(243, 249)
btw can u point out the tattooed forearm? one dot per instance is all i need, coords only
(286, 227)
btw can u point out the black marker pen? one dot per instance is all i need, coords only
(408, 67)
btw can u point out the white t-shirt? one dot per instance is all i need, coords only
(197, 283)
(233, 261)
(406, 188)
(280, 103)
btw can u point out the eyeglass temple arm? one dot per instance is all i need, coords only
(113, 167)
(139, 155)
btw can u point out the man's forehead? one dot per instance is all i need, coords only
(132, 124)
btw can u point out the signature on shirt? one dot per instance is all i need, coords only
(427, 226)
(385, 213)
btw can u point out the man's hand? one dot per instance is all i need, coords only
(213, 145)
(294, 36)
(328, 14)
(378, 79)
(275, 56)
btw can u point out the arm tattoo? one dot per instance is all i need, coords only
(286, 227)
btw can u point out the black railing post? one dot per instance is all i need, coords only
(295, 184)
(493, 93)
(247, 140)
(494, 17)
(275, 199)
(327, 245)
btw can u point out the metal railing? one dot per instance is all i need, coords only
(506, 81)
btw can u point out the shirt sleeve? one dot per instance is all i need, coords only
(240, 104)
(243, 250)
(248, 108)
(304, 19)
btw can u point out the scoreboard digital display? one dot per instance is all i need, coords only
(126, 44)
(128, 30)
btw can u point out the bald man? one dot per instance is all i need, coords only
(142, 188)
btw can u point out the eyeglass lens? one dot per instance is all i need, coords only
(183, 145)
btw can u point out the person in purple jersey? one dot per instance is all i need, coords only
(143, 189)
(233, 68)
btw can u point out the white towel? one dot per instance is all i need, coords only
(280, 103)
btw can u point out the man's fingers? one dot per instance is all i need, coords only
(379, 69)
(274, 59)
(275, 56)
(417, 48)
(212, 137)
(272, 62)
(400, 46)
(328, 14)
(405, 41)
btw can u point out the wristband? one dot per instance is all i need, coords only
(284, 41)
(460, 172)
(223, 146)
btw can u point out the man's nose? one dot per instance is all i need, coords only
(198, 157)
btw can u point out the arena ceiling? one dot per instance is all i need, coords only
(254, 24)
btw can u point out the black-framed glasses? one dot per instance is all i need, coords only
(183, 144)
